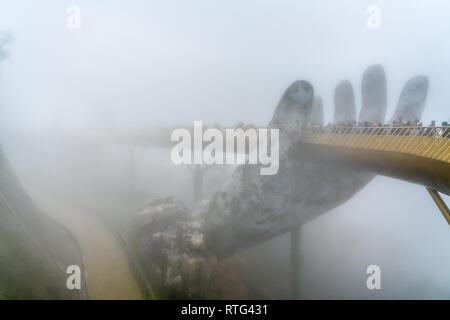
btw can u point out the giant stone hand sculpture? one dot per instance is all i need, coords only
(252, 208)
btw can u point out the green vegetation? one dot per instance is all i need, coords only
(33, 250)
(23, 273)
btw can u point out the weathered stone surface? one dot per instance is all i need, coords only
(344, 103)
(316, 117)
(172, 240)
(251, 208)
(158, 214)
(412, 100)
(374, 96)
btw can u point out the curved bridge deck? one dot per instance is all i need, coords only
(417, 154)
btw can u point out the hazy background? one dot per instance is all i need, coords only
(149, 63)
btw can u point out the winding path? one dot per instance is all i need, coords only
(108, 274)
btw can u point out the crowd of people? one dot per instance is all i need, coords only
(397, 127)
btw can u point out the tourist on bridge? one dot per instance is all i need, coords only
(445, 130)
(431, 132)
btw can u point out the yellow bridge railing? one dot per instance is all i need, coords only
(424, 142)
(430, 142)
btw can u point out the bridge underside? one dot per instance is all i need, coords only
(431, 173)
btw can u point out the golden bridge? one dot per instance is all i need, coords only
(419, 154)
(416, 154)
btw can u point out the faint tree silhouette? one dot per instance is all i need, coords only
(5, 38)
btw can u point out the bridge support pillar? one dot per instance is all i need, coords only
(295, 262)
(440, 204)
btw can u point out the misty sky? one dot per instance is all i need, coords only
(172, 62)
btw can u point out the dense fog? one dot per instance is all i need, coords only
(146, 64)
